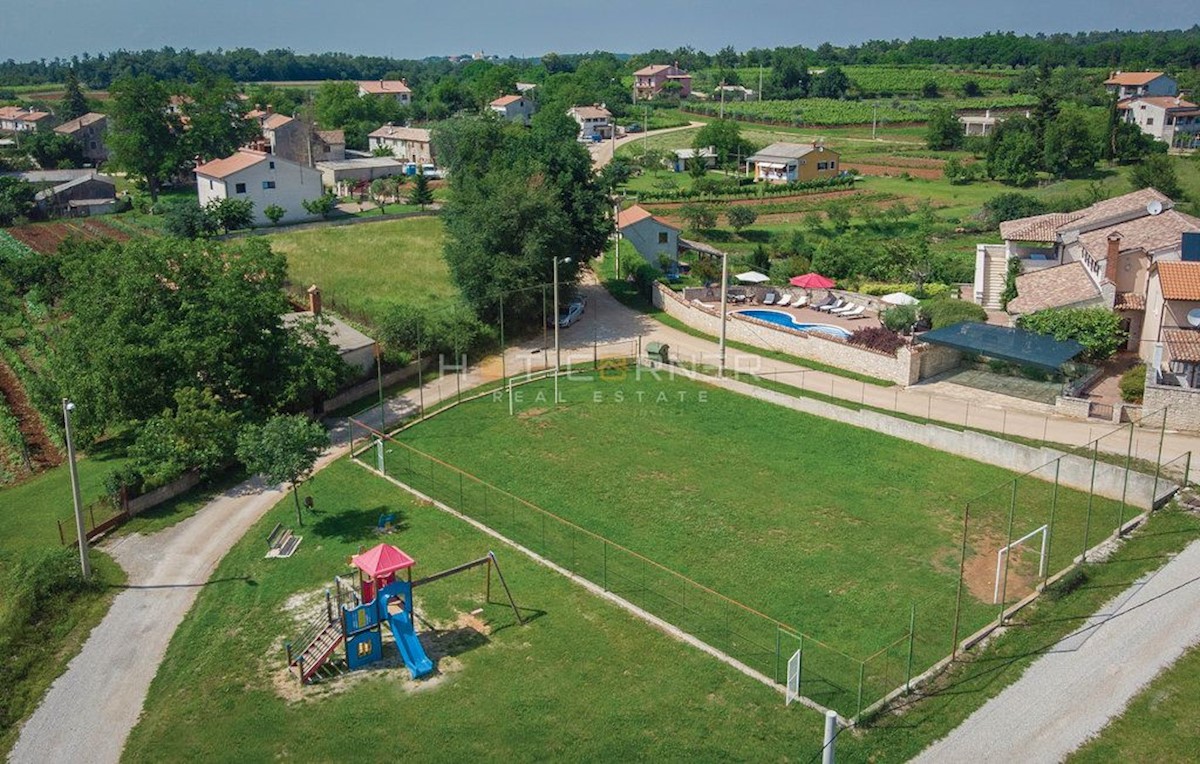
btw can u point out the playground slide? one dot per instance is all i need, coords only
(414, 656)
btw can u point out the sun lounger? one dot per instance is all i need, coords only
(783, 301)
(858, 312)
(818, 305)
(844, 309)
(801, 301)
(769, 299)
(828, 307)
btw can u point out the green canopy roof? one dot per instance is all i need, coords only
(1006, 343)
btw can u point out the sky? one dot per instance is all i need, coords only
(406, 29)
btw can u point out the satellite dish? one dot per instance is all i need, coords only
(1193, 317)
(1154, 207)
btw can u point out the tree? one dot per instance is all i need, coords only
(197, 434)
(186, 219)
(1097, 329)
(53, 150)
(74, 103)
(231, 214)
(216, 117)
(144, 138)
(943, 131)
(1013, 154)
(283, 450)
(725, 136)
(323, 205)
(16, 199)
(831, 83)
(789, 77)
(1068, 148)
(274, 213)
(1010, 282)
(615, 174)
(971, 89)
(698, 216)
(1011, 205)
(930, 90)
(422, 194)
(1157, 171)
(740, 216)
(760, 259)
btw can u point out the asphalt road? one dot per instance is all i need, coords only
(1071, 693)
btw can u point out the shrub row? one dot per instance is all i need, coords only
(760, 190)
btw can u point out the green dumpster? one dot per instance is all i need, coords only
(658, 351)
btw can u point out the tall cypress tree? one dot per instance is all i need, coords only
(74, 102)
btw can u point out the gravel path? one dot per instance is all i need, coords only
(1072, 692)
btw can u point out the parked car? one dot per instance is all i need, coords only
(572, 312)
(634, 128)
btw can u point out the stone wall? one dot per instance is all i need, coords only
(1182, 404)
(905, 368)
(160, 495)
(368, 386)
(1072, 407)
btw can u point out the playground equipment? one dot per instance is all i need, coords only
(364, 607)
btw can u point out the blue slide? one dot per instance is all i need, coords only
(414, 656)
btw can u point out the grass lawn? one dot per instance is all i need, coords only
(777, 508)
(363, 270)
(582, 680)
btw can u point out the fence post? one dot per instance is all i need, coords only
(1087, 523)
(604, 546)
(1162, 433)
(912, 628)
(778, 646)
(962, 566)
(1012, 508)
(862, 673)
(1125, 486)
(1050, 529)
(61, 538)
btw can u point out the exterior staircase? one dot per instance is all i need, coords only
(309, 660)
(995, 268)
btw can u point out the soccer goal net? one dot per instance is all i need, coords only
(1006, 550)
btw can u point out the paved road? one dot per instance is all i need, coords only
(1072, 692)
(602, 153)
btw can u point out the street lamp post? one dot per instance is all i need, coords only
(84, 563)
(557, 349)
(724, 306)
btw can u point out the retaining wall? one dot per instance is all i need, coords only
(1182, 404)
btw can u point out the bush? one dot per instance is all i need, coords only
(931, 289)
(900, 318)
(1133, 384)
(944, 311)
(878, 338)
(1010, 206)
(1097, 329)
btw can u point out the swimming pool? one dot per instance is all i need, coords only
(785, 319)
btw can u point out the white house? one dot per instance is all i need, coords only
(397, 89)
(652, 237)
(16, 119)
(410, 144)
(592, 120)
(1169, 119)
(1134, 84)
(514, 108)
(263, 179)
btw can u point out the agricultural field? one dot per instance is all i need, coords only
(44, 238)
(829, 111)
(363, 270)
(906, 80)
(784, 520)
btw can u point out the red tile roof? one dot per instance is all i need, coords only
(1184, 344)
(1162, 102)
(1180, 280)
(1055, 287)
(506, 100)
(396, 133)
(1037, 227)
(384, 87)
(637, 214)
(77, 124)
(1149, 233)
(1129, 301)
(221, 168)
(1132, 78)
(275, 121)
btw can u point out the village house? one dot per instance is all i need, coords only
(397, 89)
(262, 178)
(654, 238)
(1135, 84)
(83, 196)
(592, 120)
(793, 162)
(649, 81)
(514, 108)
(1169, 119)
(17, 119)
(88, 131)
(409, 144)
(685, 158)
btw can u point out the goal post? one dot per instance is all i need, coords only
(1000, 553)
(793, 679)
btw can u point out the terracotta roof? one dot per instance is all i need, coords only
(1180, 280)
(506, 100)
(647, 71)
(1056, 287)
(396, 133)
(590, 112)
(1129, 301)
(77, 124)
(1162, 102)
(255, 114)
(1184, 344)
(1118, 206)
(22, 114)
(1149, 233)
(637, 214)
(384, 87)
(1132, 78)
(1037, 227)
(332, 136)
(221, 168)
(276, 121)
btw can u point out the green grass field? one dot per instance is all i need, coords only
(582, 680)
(365, 269)
(779, 509)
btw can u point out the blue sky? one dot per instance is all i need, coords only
(406, 29)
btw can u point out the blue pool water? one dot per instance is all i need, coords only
(785, 319)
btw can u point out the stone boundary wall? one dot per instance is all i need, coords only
(1182, 404)
(370, 385)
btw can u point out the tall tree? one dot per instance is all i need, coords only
(283, 450)
(1068, 147)
(145, 136)
(74, 103)
(1157, 171)
(217, 123)
(421, 194)
(943, 131)
(831, 83)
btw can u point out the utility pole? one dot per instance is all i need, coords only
(724, 307)
(874, 118)
(85, 564)
(722, 99)
(557, 349)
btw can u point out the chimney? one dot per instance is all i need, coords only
(381, 84)
(314, 300)
(270, 109)
(1113, 256)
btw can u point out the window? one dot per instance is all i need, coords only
(267, 184)
(1149, 121)
(272, 164)
(210, 185)
(662, 237)
(239, 188)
